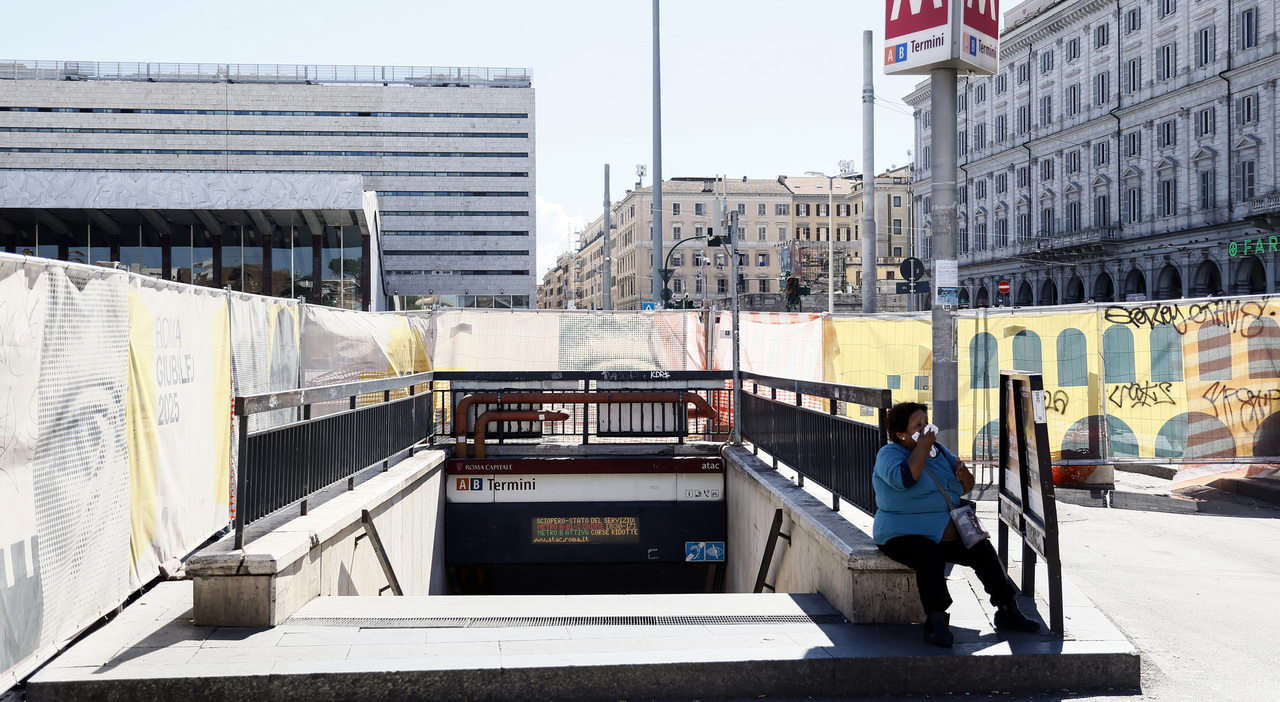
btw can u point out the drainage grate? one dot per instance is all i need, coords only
(505, 622)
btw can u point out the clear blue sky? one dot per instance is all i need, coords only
(750, 87)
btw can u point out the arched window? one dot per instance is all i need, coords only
(1026, 352)
(1264, 348)
(1166, 354)
(984, 362)
(1213, 352)
(1117, 354)
(1073, 364)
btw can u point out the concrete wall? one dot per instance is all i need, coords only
(827, 554)
(326, 552)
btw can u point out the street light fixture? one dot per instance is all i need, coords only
(831, 232)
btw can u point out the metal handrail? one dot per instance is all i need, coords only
(855, 394)
(284, 399)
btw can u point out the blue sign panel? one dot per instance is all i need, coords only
(703, 551)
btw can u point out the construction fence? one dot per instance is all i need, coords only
(116, 424)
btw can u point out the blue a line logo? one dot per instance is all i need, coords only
(703, 551)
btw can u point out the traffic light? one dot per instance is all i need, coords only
(793, 293)
(742, 283)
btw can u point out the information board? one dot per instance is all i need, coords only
(1026, 485)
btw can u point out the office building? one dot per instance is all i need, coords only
(446, 156)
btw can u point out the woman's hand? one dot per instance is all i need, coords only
(964, 476)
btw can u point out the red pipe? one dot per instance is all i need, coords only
(482, 424)
(701, 407)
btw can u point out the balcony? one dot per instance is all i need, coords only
(1265, 206)
(1092, 242)
(992, 253)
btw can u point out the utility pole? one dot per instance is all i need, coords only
(942, 86)
(868, 175)
(657, 163)
(608, 273)
(732, 231)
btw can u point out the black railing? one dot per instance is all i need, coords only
(285, 464)
(834, 451)
(378, 419)
(593, 420)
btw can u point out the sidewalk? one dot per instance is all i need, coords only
(576, 648)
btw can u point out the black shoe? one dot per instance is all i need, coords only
(937, 630)
(1010, 617)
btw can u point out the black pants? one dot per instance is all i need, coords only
(929, 561)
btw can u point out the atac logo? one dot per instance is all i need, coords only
(465, 484)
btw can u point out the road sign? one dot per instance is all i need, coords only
(647, 306)
(921, 35)
(912, 269)
(905, 288)
(980, 35)
(1004, 287)
(666, 294)
(917, 35)
(666, 274)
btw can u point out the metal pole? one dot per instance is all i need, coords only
(737, 372)
(945, 171)
(868, 175)
(657, 162)
(831, 250)
(608, 273)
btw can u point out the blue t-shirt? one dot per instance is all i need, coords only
(905, 508)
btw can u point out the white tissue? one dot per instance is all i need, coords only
(928, 429)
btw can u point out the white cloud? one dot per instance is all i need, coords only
(557, 233)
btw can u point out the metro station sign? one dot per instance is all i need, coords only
(921, 35)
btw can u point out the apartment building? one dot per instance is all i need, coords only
(589, 267)
(557, 290)
(1121, 153)
(700, 272)
(445, 154)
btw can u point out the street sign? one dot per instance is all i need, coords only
(921, 35)
(980, 36)
(912, 269)
(905, 288)
(666, 274)
(1004, 287)
(917, 35)
(647, 306)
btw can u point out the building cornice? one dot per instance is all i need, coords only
(1051, 23)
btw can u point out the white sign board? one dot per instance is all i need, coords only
(921, 35)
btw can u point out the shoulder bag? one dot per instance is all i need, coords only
(965, 519)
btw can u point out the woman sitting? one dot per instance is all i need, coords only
(913, 523)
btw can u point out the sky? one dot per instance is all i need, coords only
(758, 88)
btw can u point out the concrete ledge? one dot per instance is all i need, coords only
(828, 553)
(320, 554)
(1256, 488)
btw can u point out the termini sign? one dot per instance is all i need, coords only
(921, 35)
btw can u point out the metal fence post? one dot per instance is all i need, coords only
(243, 444)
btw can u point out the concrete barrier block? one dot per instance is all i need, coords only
(828, 553)
(324, 552)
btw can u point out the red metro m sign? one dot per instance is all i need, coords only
(921, 35)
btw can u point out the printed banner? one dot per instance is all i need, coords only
(65, 525)
(179, 419)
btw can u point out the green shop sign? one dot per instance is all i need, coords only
(1248, 248)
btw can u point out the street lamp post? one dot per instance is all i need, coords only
(831, 228)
